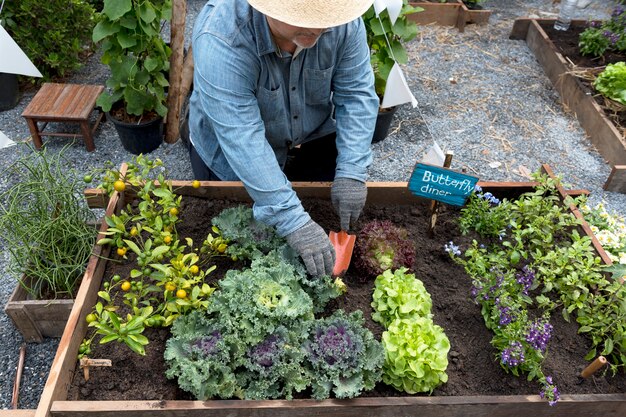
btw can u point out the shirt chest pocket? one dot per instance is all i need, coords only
(317, 85)
(274, 115)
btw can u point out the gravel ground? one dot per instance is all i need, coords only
(480, 95)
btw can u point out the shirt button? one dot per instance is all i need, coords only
(293, 88)
(295, 117)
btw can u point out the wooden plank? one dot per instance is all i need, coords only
(24, 323)
(584, 227)
(587, 405)
(601, 131)
(448, 14)
(17, 413)
(64, 362)
(617, 179)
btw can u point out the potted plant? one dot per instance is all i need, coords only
(44, 228)
(386, 42)
(129, 32)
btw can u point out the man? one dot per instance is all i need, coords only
(271, 75)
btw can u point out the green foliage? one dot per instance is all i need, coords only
(129, 31)
(54, 34)
(484, 213)
(247, 238)
(416, 352)
(260, 316)
(381, 245)
(386, 41)
(398, 295)
(608, 35)
(43, 223)
(343, 356)
(612, 82)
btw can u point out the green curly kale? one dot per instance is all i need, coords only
(399, 295)
(248, 239)
(343, 356)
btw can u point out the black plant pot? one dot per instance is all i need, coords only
(139, 138)
(9, 91)
(383, 121)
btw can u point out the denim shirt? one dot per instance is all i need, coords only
(251, 102)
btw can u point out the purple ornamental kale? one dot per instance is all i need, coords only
(526, 278)
(539, 335)
(513, 355)
(335, 345)
(207, 345)
(266, 352)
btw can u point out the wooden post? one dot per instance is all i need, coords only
(177, 43)
(18, 377)
(593, 367)
(434, 205)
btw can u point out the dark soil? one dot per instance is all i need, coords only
(473, 368)
(566, 42)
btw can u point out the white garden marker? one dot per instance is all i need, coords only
(14, 60)
(5, 142)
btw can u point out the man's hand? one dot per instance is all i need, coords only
(348, 197)
(314, 247)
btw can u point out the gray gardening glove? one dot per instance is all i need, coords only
(314, 247)
(348, 197)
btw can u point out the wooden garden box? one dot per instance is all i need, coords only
(54, 397)
(601, 131)
(453, 13)
(36, 319)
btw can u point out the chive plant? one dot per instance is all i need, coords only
(43, 224)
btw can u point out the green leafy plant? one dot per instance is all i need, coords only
(129, 31)
(386, 41)
(54, 34)
(381, 245)
(398, 295)
(416, 352)
(608, 35)
(43, 221)
(612, 82)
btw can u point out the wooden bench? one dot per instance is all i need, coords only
(69, 103)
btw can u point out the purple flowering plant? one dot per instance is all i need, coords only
(608, 35)
(484, 213)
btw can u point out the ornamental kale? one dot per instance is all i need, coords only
(247, 238)
(199, 355)
(343, 356)
(273, 368)
(399, 295)
(380, 246)
(416, 352)
(260, 298)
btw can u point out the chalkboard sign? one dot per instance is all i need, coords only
(441, 184)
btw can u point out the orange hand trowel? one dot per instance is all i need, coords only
(344, 245)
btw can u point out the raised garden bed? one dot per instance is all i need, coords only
(576, 96)
(452, 13)
(384, 199)
(36, 319)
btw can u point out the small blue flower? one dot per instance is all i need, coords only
(452, 249)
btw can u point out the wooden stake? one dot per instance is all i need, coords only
(85, 363)
(434, 205)
(18, 377)
(598, 363)
(177, 43)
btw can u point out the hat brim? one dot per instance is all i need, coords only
(313, 14)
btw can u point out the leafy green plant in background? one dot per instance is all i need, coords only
(129, 31)
(612, 82)
(43, 221)
(54, 34)
(382, 245)
(608, 35)
(386, 41)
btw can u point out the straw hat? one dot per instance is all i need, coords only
(313, 14)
